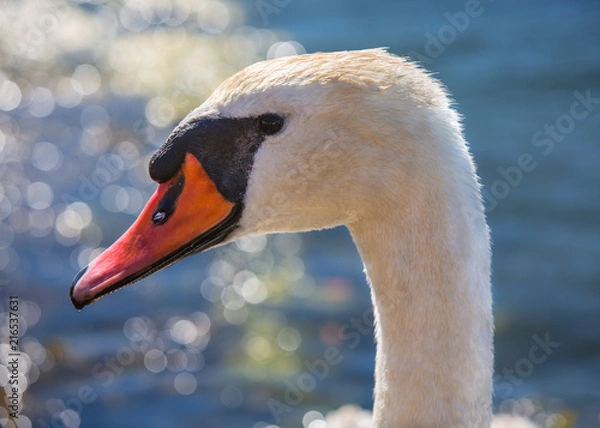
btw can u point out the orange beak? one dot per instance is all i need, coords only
(186, 215)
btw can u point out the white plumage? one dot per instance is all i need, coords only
(371, 142)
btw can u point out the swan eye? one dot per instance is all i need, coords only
(270, 123)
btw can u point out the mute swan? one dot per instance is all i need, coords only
(363, 139)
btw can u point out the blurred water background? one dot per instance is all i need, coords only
(89, 89)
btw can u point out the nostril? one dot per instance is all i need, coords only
(159, 217)
(166, 206)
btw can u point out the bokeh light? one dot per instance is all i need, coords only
(232, 397)
(46, 156)
(10, 95)
(313, 419)
(185, 383)
(184, 332)
(155, 361)
(281, 49)
(41, 103)
(258, 348)
(86, 79)
(289, 339)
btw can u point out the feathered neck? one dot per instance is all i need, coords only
(428, 264)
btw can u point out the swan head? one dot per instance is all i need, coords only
(291, 144)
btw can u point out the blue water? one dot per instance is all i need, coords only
(513, 68)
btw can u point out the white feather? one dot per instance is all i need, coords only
(371, 142)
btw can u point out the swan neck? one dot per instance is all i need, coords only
(429, 274)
